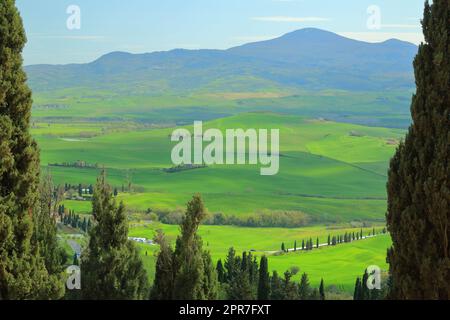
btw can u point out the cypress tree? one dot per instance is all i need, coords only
(44, 221)
(210, 284)
(111, 266)
(304, 289)
(240, 288)
(221, 276)
(322, 290)
(364, 292)
(23, 274)
(290, 291)
(264, 280)
(357, 291)
(276, 287)
(195, 276)
(164, 274)
(419, 175)
(230, 265)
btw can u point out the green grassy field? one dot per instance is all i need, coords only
(339, 265)
(332, 171)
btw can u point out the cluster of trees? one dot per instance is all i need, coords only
(76, 164)
(85, 190)
(186, 272)
(280, 219)
(111, 265)
(243, 278)
(184, 167)
(74, 220)
(309, 244)
(362, 291)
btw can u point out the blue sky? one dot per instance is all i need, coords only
(155, 25)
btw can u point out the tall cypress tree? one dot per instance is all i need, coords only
(322, 290)
(419, 177)
(111, 266)
(22, 269)
(195, 277)
(304, 288)
(357, 291)
(44, 234)
(164, 274)
(264, 280)
(221, 275)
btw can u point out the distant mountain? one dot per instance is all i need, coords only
(309, 59)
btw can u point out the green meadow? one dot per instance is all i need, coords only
(338, 265)
(333, 172)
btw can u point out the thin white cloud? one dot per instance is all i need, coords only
(66, 37)
(413, 37)
(401, 26)
(290, 19)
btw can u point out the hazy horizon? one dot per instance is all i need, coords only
(142, 26)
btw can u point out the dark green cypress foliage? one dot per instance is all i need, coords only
(264, 280)
(230, 265)
(221, 276)
(295, 245)
(253, 269)
(276, 287)
(244, 262)
(304, 288)
(195, 276)
(329, 240)
(45, 230)
(303, 244)
(23, 274)
(317, 243)
(322, 290)
(240, 288)
(357, 291)
(164, 271)
(290, 290)
(283, 248)
(111, 265)
(75, 261)
(365, 292)
(419, 177)
(209, 281)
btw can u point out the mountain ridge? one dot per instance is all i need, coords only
(309, 58)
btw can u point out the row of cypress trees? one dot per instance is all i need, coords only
(242, 278)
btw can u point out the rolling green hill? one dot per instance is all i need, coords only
(326, 182)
